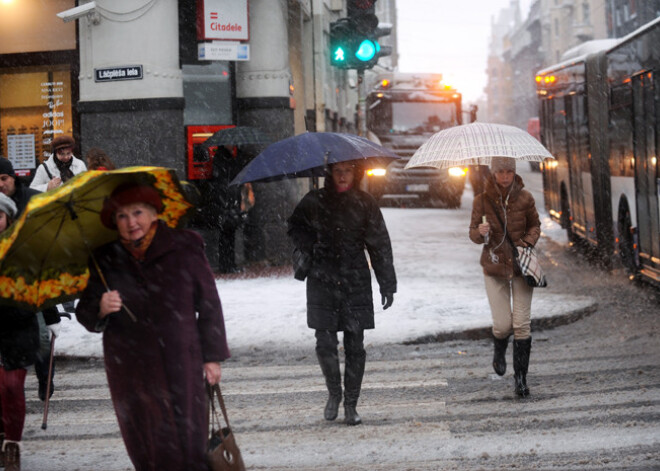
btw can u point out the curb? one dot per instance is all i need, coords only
(480, 333)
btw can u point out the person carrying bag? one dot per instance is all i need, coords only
(504, 219)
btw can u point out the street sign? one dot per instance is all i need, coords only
(223, 51)
(111, 74)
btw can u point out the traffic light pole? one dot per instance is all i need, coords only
(362, 104)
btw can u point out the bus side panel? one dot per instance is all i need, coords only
(555, 173)
(597, 103)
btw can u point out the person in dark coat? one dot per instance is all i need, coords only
(505, 207)
(332, 227)
(221, 206)
(20, 194)
(19, 344)
(155, 364)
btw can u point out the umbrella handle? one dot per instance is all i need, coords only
(129, 312)
(105, 283)
(74, 217)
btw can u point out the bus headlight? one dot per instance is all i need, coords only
(457, 172)
(376, 172)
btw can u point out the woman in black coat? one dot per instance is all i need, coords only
(332, 227)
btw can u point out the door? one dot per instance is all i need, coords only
(646, 173)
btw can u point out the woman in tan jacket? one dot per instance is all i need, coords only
(506, 208)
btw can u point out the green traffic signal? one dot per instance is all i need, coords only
(367, 50)
(338, 55)
(352, 47)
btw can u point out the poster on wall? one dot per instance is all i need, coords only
(20, 151)
(224, 20)
(58, 115)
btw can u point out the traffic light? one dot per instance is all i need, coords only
(341, 44)
(350, 49)
(353, 45)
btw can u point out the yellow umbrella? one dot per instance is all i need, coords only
(44, 255)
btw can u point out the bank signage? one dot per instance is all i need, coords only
(225, 20)
(113, 74)
(223, 51)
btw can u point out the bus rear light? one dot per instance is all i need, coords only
(376, 172)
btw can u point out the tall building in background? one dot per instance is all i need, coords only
(625, 16)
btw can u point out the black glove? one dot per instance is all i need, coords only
(387, 300)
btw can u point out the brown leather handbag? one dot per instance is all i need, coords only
(223, 453)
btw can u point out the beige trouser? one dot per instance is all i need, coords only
(509, 316)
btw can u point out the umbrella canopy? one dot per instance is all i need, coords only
(476, 144)
(307, 154)
(44, 254)
(238, 136)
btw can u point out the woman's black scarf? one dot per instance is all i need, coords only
(64, 168)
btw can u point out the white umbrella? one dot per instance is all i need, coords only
(475, 144)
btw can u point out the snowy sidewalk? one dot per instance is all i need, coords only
(440, 294)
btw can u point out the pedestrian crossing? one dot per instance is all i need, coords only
(276, 412)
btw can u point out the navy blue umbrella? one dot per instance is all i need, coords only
(306, 155)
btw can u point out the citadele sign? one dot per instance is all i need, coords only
(223, 20)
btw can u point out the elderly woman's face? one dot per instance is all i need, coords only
(134, 220)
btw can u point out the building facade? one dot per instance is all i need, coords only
(127, 76)
(550, 32)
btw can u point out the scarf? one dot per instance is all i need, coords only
(64, 168)
(138, 248)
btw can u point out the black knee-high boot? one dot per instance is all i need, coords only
(329, 362)
(521, 350)
(499, 356)
(352, 384)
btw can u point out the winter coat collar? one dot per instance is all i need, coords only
(496, 194)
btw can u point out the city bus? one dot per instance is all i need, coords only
(403, 110)
(600, 118)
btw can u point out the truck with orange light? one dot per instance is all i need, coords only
(599, 116)
(403, 110)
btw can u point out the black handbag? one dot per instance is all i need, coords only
(223, 453)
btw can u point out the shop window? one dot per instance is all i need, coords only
(35, 107)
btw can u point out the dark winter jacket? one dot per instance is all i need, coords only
(22, 195)
(519, 214)
(19, 336)
(335, 228)
(155, 365)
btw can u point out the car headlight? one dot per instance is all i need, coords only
(457, 172)
(376, 172)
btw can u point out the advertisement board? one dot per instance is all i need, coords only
(223, 20)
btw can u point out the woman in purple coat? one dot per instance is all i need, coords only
(156, 364)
